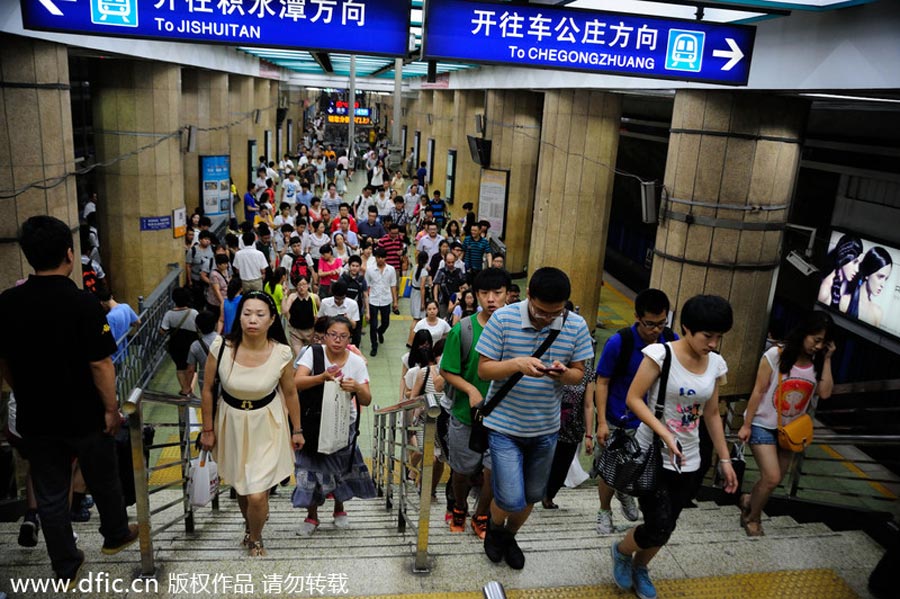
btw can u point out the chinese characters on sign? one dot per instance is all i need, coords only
(364, 26)
(270, 584)
(546, 36)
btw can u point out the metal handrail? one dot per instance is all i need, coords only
(133, 408)
(140, 354)
(384, 458)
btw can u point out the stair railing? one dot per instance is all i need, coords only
(391, 449)
(146, 514)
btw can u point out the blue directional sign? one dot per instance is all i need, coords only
(585, 40)
(378, 27)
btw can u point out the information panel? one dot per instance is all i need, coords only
(582, 40)
(493, 194)
(215, 174)
(355, 26)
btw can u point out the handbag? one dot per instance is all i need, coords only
(624, 465)
(204, 479)
(478, 437)
(796, 435)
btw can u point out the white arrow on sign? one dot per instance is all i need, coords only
(48, 4)
(734, 54)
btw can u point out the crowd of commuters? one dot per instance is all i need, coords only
(270, 319)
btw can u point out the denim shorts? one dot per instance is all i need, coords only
(763, 436)
(521, 467)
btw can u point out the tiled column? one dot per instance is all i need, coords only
(35, 145)
(442, 118)
(136, 104)
(514, 126)
(466, 104)
(240, 105)
(730, 173)
(579, 143)
(204, 104)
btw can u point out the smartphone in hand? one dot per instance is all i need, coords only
(678, 457)
(556, 369)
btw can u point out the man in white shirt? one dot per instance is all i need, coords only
(383, 203)
(339, 305)
(251, 264)
(290, 188)
(382, 282)
(431, 242)
(411, 199)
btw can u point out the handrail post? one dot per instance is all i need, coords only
(391, 440)
(184, 434)
(376, 454)
(132, 407)
(422, 562)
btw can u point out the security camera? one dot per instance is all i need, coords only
(800, 263)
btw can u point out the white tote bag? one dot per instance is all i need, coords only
(334, 431)
(204, 479)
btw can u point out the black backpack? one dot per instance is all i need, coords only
(299, 268)
(89, 277)
(621, 367)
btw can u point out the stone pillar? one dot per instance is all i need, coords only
(426, 105)
(240, 107)
(205, 105)
(579, 143)
(35, 145)
(730, 174)
(514, 126)
(266, 118)
(442, 122)
(136, 104)
(466, 104)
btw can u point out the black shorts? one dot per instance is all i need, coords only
(179, 347)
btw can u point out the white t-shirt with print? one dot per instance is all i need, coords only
(438, 330)
(354, 368)
(798, 388)
(686, 396)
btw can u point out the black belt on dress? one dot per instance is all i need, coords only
(248, 404)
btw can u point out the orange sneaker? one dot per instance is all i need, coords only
(479, 526)
(458, 521)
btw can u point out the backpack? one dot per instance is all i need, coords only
(299, 268)
(466, 338)
(89, 277)
(624, 357)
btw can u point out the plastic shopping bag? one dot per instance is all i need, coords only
(334, 431)
(204, 479)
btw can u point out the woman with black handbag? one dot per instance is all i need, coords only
(692, 390)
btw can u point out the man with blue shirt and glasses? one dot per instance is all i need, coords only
(523, 428)
(616, 368)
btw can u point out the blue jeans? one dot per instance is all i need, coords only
(763, 436)
(521, 467)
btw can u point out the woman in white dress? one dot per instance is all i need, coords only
(249, 433)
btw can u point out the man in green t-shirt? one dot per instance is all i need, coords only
(459, 367)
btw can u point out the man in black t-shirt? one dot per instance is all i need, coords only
(55, 353)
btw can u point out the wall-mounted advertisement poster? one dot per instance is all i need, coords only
(861, 281)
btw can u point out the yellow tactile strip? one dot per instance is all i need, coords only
(798, 584)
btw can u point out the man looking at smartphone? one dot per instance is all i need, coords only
(616, 368)
(522, 430)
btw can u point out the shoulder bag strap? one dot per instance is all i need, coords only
(514, 379)
(778, 389)
(663, 383)
(183, 318)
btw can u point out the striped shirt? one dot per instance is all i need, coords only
(532, 407)
(394, 248)
(475, 251)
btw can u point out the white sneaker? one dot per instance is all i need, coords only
(307, 527)
(604, 522)
(629, 507)
(341, 520)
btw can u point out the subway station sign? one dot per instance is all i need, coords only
(581, 40)
(378, 27)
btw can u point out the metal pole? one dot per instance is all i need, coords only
(351, 131)
(132, 407)
(184, 433)
(389, 456)
(398, 98)
(422, 563)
